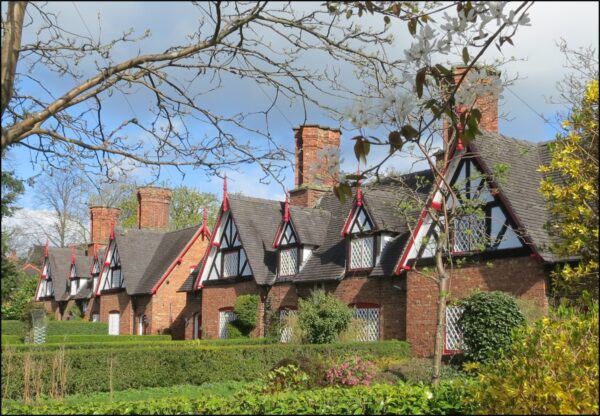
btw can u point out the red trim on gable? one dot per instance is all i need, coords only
(411, 241)
(198, 284)
(97, 290)
(177, 261)
(348, 222)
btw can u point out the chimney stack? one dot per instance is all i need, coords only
(317, 163)
(153, 208)
(102, 219)
(486, 100)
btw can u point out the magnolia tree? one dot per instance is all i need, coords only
(412, 102)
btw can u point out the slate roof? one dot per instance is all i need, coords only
(146, 255)
(60, 266)
(521, 183)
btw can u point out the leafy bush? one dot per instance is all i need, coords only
(288, 377)
(234, 332)
(487, 324)
(168, 364)
(13, 307)
(552, 368)
(322, 317)
(352, 371)
(420, 370)
(447, 398)
(246, 311)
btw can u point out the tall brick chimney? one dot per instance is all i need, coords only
(486, 102)
(102, 219)
(317, 163)
(153, 208)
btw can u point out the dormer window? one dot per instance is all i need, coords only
(229, 255)
(361, 240)
(73, 281)
(113, 278)
(288, 251)
(46, 286)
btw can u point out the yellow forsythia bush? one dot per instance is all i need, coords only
(552, 368)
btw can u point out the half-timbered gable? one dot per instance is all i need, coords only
(495, 212)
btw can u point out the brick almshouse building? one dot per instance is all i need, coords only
(363, 251)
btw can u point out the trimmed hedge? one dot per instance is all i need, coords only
(127, 341)
(60, 328)
(12, 327)
(448, 398)
(137, 366)
(88, 339)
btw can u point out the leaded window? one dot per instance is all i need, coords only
(362, 222)
(453, 339)
(286, 321)
(229, 257)
(484, 223)
(288, 261)
(367, 319)
(362, 251)
(114, 277)
(225, 317)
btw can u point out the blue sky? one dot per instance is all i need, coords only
(541, 66)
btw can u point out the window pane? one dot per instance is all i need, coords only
(469, 233)
(361, 253)
(368, 319)
(116, 278)
(224, 318)
(288, 262)
(286, 318)
(453, 333)
(230, 264)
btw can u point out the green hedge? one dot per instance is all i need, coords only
(11, 339)
(60, 328)
(124, 341)
(137, 366)
(12, 327)
(448, 398)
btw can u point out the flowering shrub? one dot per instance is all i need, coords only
(352, 372)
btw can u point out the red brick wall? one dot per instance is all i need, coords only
(102, 219)
(153, 208)
(522, 277)
(121, 302)
(214, 298)
(311, 140)
(353, 290)
(193, 305)
(93, 307)
(168, 305)
(142, 305)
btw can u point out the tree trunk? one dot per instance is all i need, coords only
(11, 44)
(443, 279)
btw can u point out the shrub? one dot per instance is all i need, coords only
(420, 370)
(447, 398)
(552, 368)
(288, 377)
(168, 364)
(487, 323)
(322, 317)
(246, 311)
(352, 371)
(233, 331)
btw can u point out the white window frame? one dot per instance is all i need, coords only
(290, 267)
(114, 323)
(452, 333)
(356, 246)
(371, 315)
(225, 316)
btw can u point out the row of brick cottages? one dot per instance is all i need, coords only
(186, 282)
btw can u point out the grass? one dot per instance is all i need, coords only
(222, 389)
